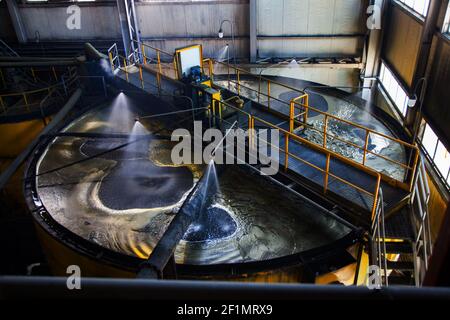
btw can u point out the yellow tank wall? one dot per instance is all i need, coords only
(59, 257)
(437, 208)
(15, 137)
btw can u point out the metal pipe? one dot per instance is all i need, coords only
(56, 287)
(190, 210)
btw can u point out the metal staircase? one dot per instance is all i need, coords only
(403, 261)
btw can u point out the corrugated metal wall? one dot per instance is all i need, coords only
(310, 27)
(97, 22)
(176, 24)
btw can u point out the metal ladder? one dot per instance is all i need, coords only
(378, 241)
(420, 247)
(420, 220)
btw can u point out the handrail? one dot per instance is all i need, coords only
(368, 131)
(328, 153)
(26, 94)
(410, 168)
(293, 117)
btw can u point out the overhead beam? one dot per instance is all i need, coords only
(17, 21)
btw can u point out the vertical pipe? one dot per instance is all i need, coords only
(268, 94)
(144, 58)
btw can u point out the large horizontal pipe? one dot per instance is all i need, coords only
(188, 213)
(12, 58)
(22, 64)
(21, 287)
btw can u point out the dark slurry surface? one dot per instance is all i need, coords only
(214, 224)
(141, 184)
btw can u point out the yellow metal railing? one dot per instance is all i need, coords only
(299, 107)
(410, 169)
(28, 95)
(289, 137)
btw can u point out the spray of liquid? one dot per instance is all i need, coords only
(223, 54)
(121, 118)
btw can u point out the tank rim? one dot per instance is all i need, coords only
(129, 263)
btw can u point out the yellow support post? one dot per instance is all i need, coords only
(375, 197)
(291, 116)
(111, 61)
(144, 58)
(158, 76)
(3, 78)
(325, 129)
(327, 171)
(306, 105)
(175, 67)
(141, 77)
(268, 94)
(238, 82)
(26, 101)
(54, 74)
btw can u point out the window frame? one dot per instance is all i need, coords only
(413, 8)
(443, 176)
(388, 80)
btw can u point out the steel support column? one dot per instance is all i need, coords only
(373, 47)
(129, 26)
(423, 57)
(16, 20)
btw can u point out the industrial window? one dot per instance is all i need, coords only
(446, 28)
(419, 6)
(393, 89)
(437, 153)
